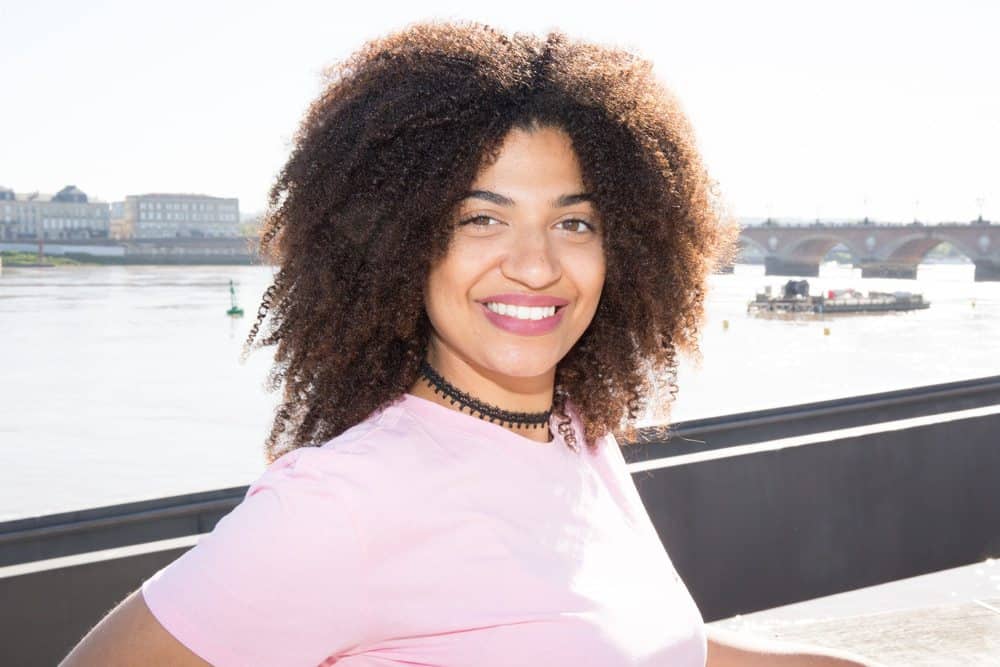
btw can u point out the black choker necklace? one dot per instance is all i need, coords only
(485, 411)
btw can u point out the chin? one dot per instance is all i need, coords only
(518, 364)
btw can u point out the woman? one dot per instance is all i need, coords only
(491, 249)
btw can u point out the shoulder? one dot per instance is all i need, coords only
(380, 452)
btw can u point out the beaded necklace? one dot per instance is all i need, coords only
(478, 408)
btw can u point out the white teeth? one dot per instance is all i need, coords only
(522, 312)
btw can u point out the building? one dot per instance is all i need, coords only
(159, 216)
(68, 214)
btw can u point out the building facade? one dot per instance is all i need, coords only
(159, 216)
(67, 215)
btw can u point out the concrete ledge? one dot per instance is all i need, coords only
(946, 618)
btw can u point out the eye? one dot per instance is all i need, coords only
(480, 225)
(480, 221)
(577, 226)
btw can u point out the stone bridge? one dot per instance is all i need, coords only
(881, 250)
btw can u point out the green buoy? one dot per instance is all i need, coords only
(234, 311)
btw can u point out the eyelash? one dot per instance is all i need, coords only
(467, 221)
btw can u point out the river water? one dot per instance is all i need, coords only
(123, 383)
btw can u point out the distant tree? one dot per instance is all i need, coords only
(250, 227)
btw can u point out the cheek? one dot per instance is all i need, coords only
(600, 273)
(436, 296)
(589, 272)
(451, 282)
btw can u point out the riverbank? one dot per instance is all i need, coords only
(12, 259)
(148, 252)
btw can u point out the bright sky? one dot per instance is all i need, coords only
(802, 109)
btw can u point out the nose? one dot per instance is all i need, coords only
(532, 259)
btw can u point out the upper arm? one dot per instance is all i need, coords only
(131, 635)
(279, 580)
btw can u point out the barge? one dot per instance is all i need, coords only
(796, 299)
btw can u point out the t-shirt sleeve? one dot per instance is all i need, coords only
(279, 581)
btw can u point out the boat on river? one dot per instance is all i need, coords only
(795, 299)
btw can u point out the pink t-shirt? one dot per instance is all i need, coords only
(425, 536)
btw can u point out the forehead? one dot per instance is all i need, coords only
(538, 162)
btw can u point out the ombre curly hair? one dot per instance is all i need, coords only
(364, 207)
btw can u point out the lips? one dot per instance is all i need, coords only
(521, 304)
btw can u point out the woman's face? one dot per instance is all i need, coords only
(523, 275)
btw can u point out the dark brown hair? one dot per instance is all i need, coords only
(364, 206)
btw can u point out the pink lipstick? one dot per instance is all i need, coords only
(520, 325)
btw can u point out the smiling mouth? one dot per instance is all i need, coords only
(522, 312)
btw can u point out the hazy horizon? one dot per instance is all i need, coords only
(889, 110)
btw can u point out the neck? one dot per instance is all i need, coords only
(514, 394)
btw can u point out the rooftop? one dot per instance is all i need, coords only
(176, 195)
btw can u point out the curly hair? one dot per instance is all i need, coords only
(363, 208)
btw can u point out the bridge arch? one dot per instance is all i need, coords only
(745, 241)
(913, 248)
(812, 249)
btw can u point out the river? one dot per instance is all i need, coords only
(123, 383)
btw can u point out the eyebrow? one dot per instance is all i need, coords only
(501, 200)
